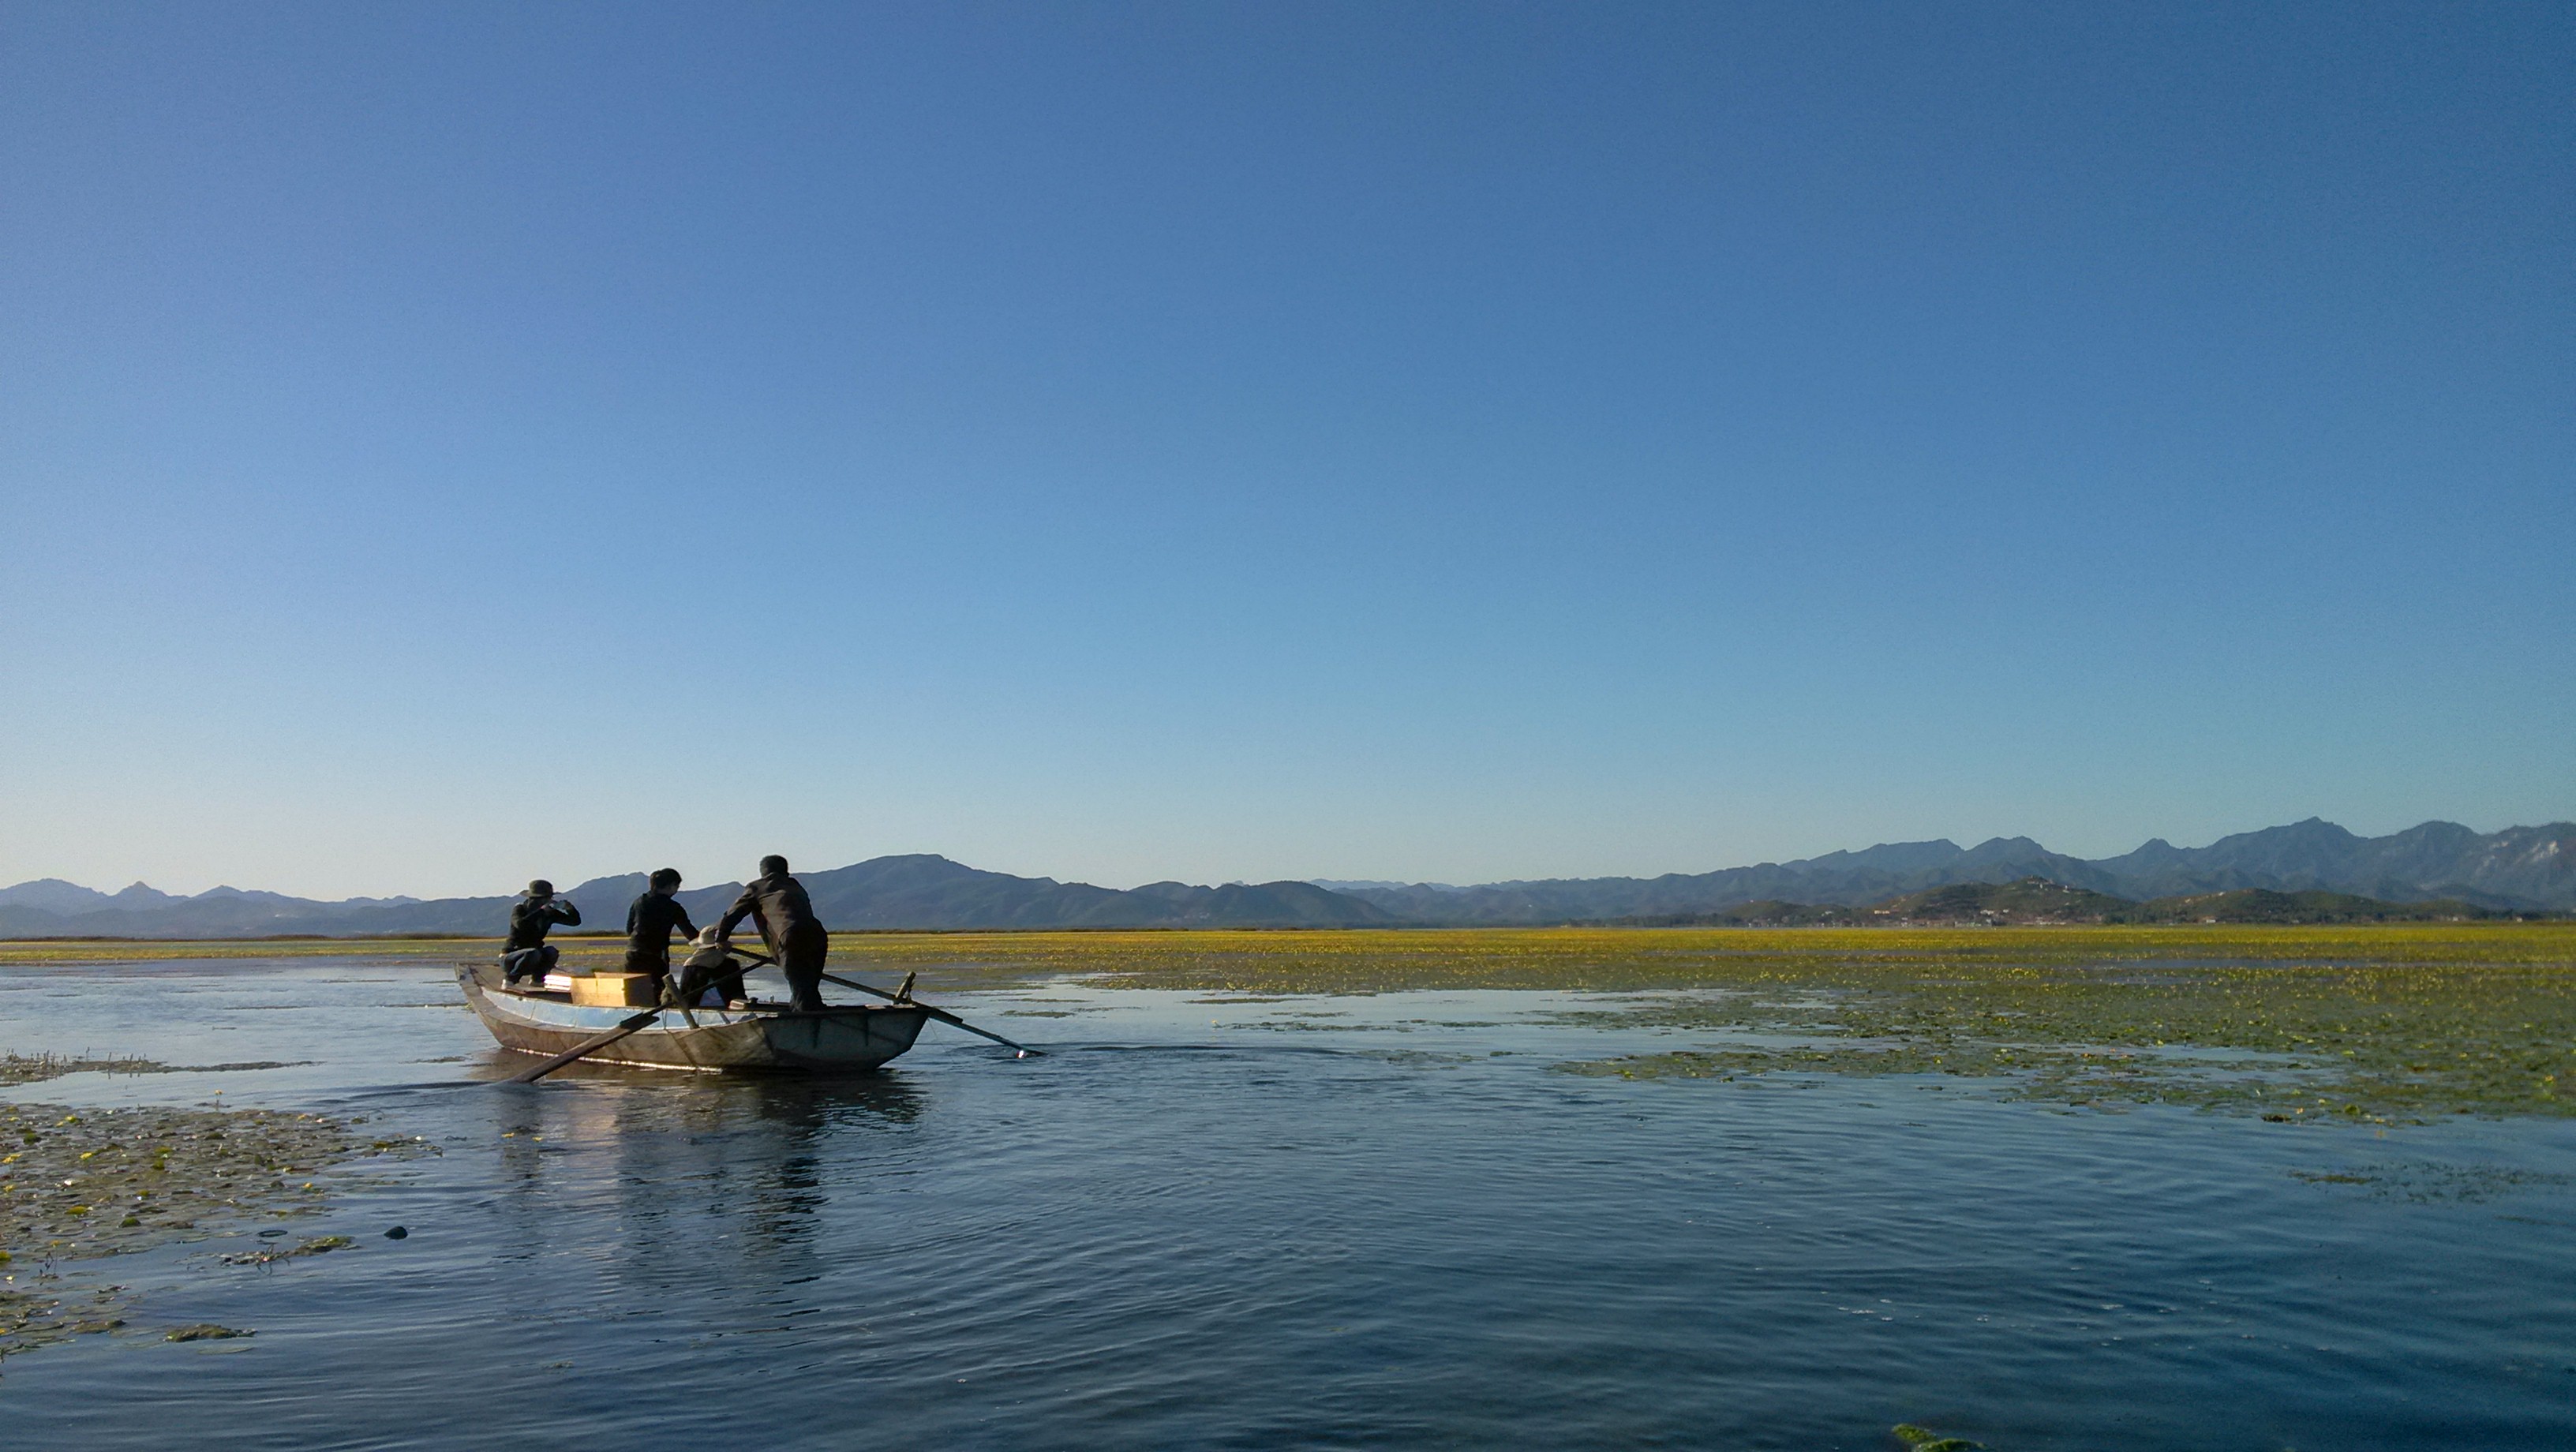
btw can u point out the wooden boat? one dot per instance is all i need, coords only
(766, 1038)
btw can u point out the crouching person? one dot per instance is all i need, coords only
(712, 966)
(526, 953)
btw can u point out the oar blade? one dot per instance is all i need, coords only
(941, 1014)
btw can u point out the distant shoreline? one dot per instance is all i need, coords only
(2380, 1023)
(1800, 919)
(588, 942)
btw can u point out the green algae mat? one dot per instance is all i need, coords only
(85, 1184)
(2380, 1022)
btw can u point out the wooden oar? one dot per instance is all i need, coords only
(628, 1026)
(941, 1014)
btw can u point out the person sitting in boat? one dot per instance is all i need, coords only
(526, 953)
(712, 978)
(796, 939)
(649, 923)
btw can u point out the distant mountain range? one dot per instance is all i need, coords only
(2518, 869)
(2530, 868)
(2036, 900)
(917, 891)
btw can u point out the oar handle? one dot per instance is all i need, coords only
(941, 1014)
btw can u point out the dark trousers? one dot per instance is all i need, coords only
(645, 960)
(534, 963)
(801, 959)
(724, 977)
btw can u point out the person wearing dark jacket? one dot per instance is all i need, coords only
(777, 902)
(713, 966)
(526, 953)
(650, 921)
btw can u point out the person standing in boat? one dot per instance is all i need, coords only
(650, 921)
(777, 902)
(526, 953)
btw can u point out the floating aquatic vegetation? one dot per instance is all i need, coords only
(2333, 1040)
(83, 1184)
(29, 1319)
(1647, 960)
(2343, 1023)
(205, 1331)
(34, 1068)
(2369, 1023)
(322, 1245)
(1918, 1439)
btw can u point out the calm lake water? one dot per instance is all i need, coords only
(1378, 1222)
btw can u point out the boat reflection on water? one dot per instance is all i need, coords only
(706, 1178)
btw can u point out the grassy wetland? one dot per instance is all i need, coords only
(2382, 1022)
(2379, 1023)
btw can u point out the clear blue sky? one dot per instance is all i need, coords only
(440, 444)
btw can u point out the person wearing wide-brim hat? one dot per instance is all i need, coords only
(526, 953)
(712, 965)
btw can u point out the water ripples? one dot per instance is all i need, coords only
(1177, 1233)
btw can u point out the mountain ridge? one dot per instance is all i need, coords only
(2516, 869)
(918, 890)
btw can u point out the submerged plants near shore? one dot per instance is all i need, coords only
(2373, 1023)
(2363, 1032)
(80, 1184)
(33, 1068)
(2367, 1022)
(1647, 959)
(1920, 1439)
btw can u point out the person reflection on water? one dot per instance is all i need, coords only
(649, 923)
(526, 953)
(777, 902)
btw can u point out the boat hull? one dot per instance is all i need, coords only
(840, 1040)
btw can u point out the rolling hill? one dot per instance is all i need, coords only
(2528, 868)
(2435, 865)
(918, 891)
(2027, 900)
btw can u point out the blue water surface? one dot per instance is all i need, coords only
(1362, 1222)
